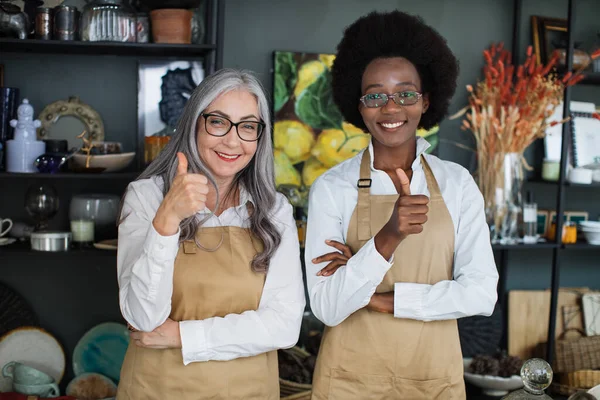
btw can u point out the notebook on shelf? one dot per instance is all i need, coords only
(585, 137)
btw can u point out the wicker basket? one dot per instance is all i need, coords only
(586, 379)
(577, 354)
(564, 390)
(289, 388)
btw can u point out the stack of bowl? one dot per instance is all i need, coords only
(591, 231)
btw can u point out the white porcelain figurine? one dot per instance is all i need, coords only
(25, 126)
(24, 148)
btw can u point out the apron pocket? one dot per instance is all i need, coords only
(430, 389)
(345, 385)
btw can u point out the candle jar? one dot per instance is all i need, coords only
(83, 232)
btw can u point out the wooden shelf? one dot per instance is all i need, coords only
(582, 245)
(71, 175)
(24, 248)
(104, 48)
(522, 246)
(583, 185)
(567, 183)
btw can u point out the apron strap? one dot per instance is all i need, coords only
(364, 192)
(434, 188)
(363, 207)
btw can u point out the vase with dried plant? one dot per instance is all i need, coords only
(508, 110)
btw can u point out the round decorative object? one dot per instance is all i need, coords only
(75, 108)
(91, 386)
(481, 335)
(15, 312)
(33, 347)
(109, 244)
(537, 375)
(102, 350)
(595, 391)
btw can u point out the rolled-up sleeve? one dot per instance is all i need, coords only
(473, 289)
(334, 298)
(274, 325)
(145, 260)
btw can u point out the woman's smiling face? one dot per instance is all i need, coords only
(392, 125)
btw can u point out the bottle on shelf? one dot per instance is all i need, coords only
(530, 220)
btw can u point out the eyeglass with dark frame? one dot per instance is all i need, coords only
(404, 98)
(218, 125)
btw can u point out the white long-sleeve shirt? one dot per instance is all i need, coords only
(145, 264)
(333, 198)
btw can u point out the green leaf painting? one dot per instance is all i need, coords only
(285, 78)
(315, 105)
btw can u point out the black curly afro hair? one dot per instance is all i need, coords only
(394, 34)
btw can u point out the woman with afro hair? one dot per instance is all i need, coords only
(397, 245)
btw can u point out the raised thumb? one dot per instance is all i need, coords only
(182, 164)
(404, 182)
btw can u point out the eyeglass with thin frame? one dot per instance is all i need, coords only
(405, 98)
(218, 125)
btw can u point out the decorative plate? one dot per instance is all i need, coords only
(15, 312)
(34, 347)
(110, 244)
(102, 350)
(595, 391)
(481, 335)
(75, 108)
(91, 385)
(7, 241)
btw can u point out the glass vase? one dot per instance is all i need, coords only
(503, 212)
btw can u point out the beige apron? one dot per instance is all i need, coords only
(373, 355)
(206, 284)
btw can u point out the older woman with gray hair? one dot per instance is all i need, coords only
(208, 263)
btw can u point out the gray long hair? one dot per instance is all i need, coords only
(257, 177)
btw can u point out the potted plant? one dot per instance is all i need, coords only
(171, 20)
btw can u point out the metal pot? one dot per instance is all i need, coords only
(50, 241)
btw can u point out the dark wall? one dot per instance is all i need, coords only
(74, 292)
(257, 28)
(254, 29)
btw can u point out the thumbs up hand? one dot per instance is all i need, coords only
(410, 211)
(185, 198)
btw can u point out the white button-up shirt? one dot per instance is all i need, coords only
(333, 198)
(145, 264)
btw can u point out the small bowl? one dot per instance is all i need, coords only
(592, 237)
(50, 241)
(592, 226)
(492, 385)
(110, 162)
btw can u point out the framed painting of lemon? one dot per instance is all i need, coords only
(310, 135)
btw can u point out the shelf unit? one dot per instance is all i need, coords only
(75, 290)
(72, 175)
(562, 184)
(210, 52)
(105, 48)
